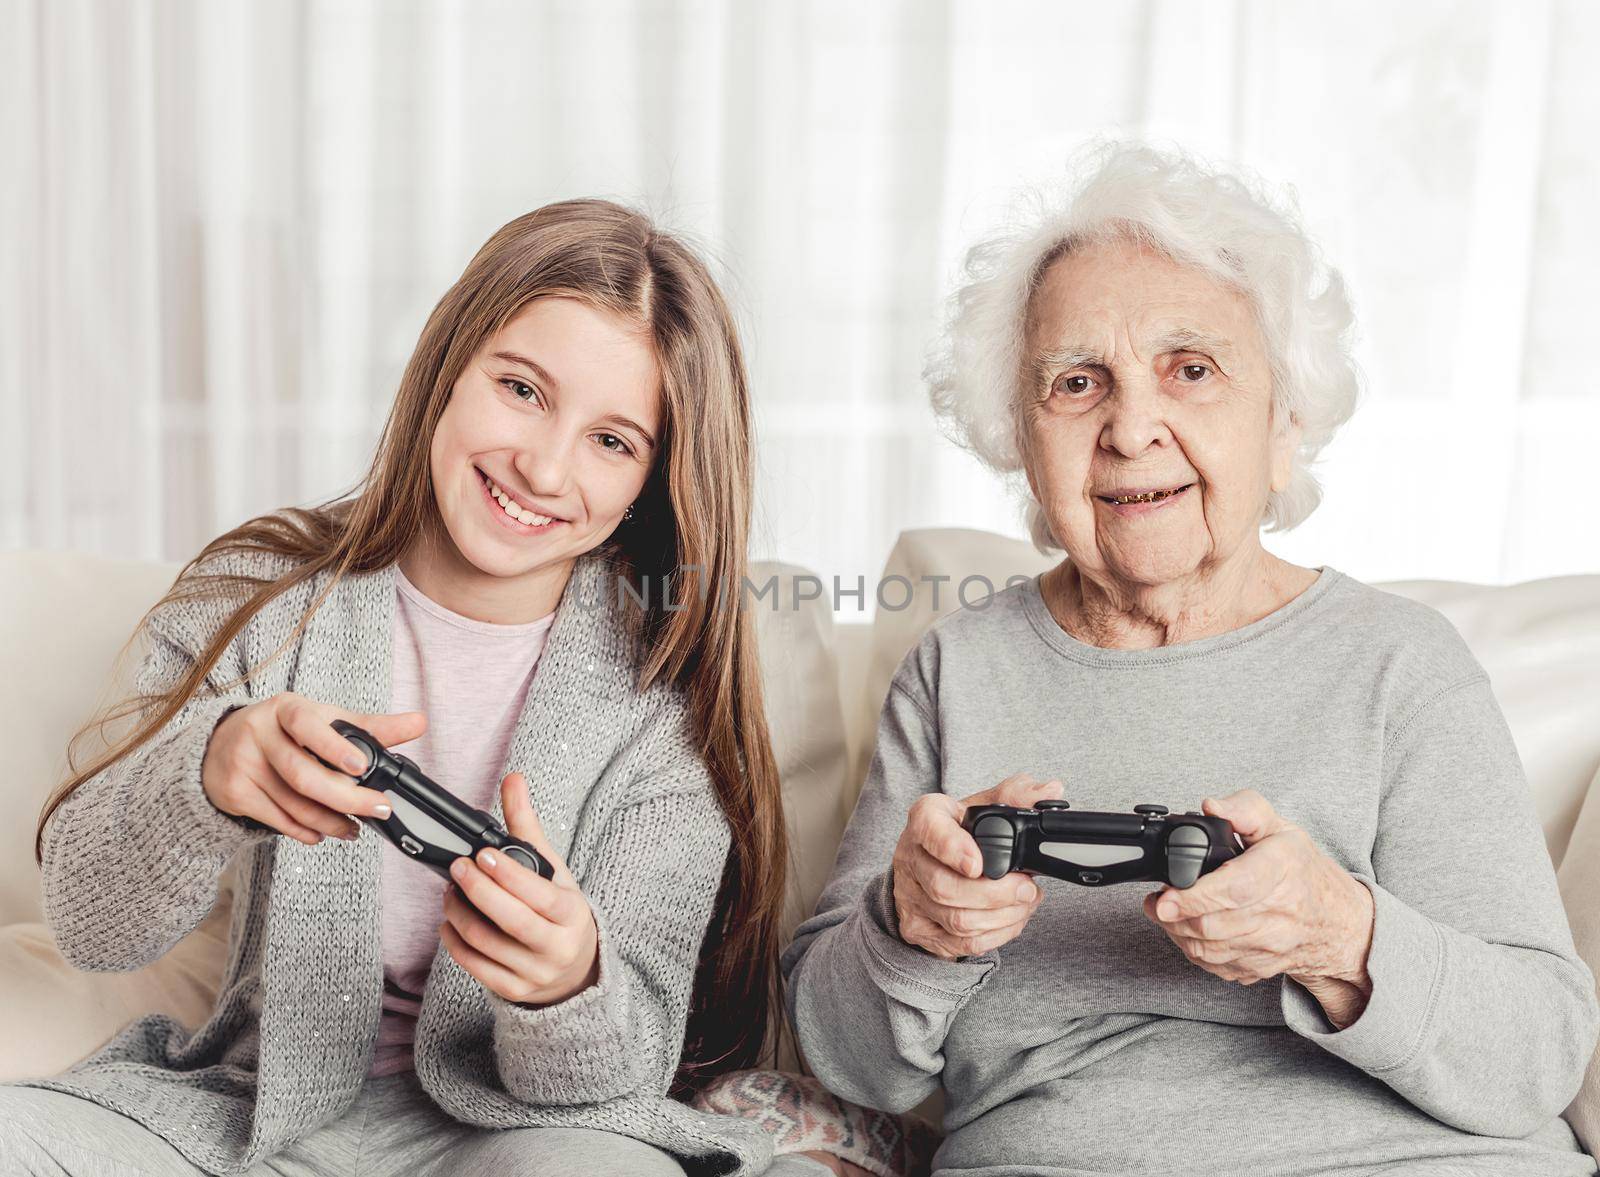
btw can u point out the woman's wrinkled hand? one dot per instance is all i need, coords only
(943, 902)
(529, 939)
(1282, 907)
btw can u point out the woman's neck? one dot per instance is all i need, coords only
(1116, 615)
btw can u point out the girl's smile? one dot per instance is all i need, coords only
(499, 512)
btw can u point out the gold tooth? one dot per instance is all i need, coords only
(1147, 497)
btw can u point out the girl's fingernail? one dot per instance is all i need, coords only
(1025, 891)
(381, 810)
(488, 859)
(354, 764)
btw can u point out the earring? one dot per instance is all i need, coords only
(627, 516)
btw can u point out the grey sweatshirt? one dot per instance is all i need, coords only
(1090, 1044)
(133, 859)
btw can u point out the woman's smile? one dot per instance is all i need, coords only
(1144, 505)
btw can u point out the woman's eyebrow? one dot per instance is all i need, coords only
(1178, 339)
(1188, 339)
(512, 357)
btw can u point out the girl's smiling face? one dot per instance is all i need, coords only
(561, 409)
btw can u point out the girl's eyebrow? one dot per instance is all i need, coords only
(630, 423)
(512, 357)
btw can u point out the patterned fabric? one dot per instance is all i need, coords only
(803, 1116)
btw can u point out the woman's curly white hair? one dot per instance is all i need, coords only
(1221, 222)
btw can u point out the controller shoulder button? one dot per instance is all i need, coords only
(1187, 835)
(1052, 804)
(1152, 810)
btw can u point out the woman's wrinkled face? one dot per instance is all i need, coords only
(1144, 375)
(559, 415)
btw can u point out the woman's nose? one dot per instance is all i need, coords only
(1135, 416)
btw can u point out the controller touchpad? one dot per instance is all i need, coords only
(1091, 853)
(428, 828)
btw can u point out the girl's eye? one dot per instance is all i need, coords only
(517, 387)
(1187, 368)
(621, 447)
(1073, 385)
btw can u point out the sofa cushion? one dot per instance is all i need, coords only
(1580, 892)
(799, 679)
(65, 676)
(53, 1014)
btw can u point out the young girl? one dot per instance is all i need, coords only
(528, 596)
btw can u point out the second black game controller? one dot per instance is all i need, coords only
(1098, 849)
(426, 821)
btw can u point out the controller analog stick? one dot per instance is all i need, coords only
(996, 840)
(1186, 855)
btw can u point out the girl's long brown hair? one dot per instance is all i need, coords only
(694, 513)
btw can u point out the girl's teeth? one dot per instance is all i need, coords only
(511, 508)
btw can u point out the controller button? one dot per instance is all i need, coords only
(1053, 803)
(410, 845)
(1152, 810)
(1089, 877)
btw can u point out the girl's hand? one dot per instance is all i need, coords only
(529, 939)
(259, 764)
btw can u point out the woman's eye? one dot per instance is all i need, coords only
(518, 387)
(1073, 385)
(621, 447)
(1186, 369)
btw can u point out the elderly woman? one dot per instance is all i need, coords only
(1383, 980)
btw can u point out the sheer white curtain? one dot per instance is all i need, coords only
(226, 222)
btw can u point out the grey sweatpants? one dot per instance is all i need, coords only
(392, 1127)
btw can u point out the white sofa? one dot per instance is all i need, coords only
(64, 617)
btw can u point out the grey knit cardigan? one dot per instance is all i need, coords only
(132, 862)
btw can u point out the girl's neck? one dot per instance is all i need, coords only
(445, 577)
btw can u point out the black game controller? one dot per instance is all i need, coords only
(426, 821)
(1097, 849)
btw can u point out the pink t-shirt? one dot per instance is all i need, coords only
(470, 679)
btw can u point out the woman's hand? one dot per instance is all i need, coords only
(943, 902)
(529, 939)
(1281, 907)
(259, 764)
